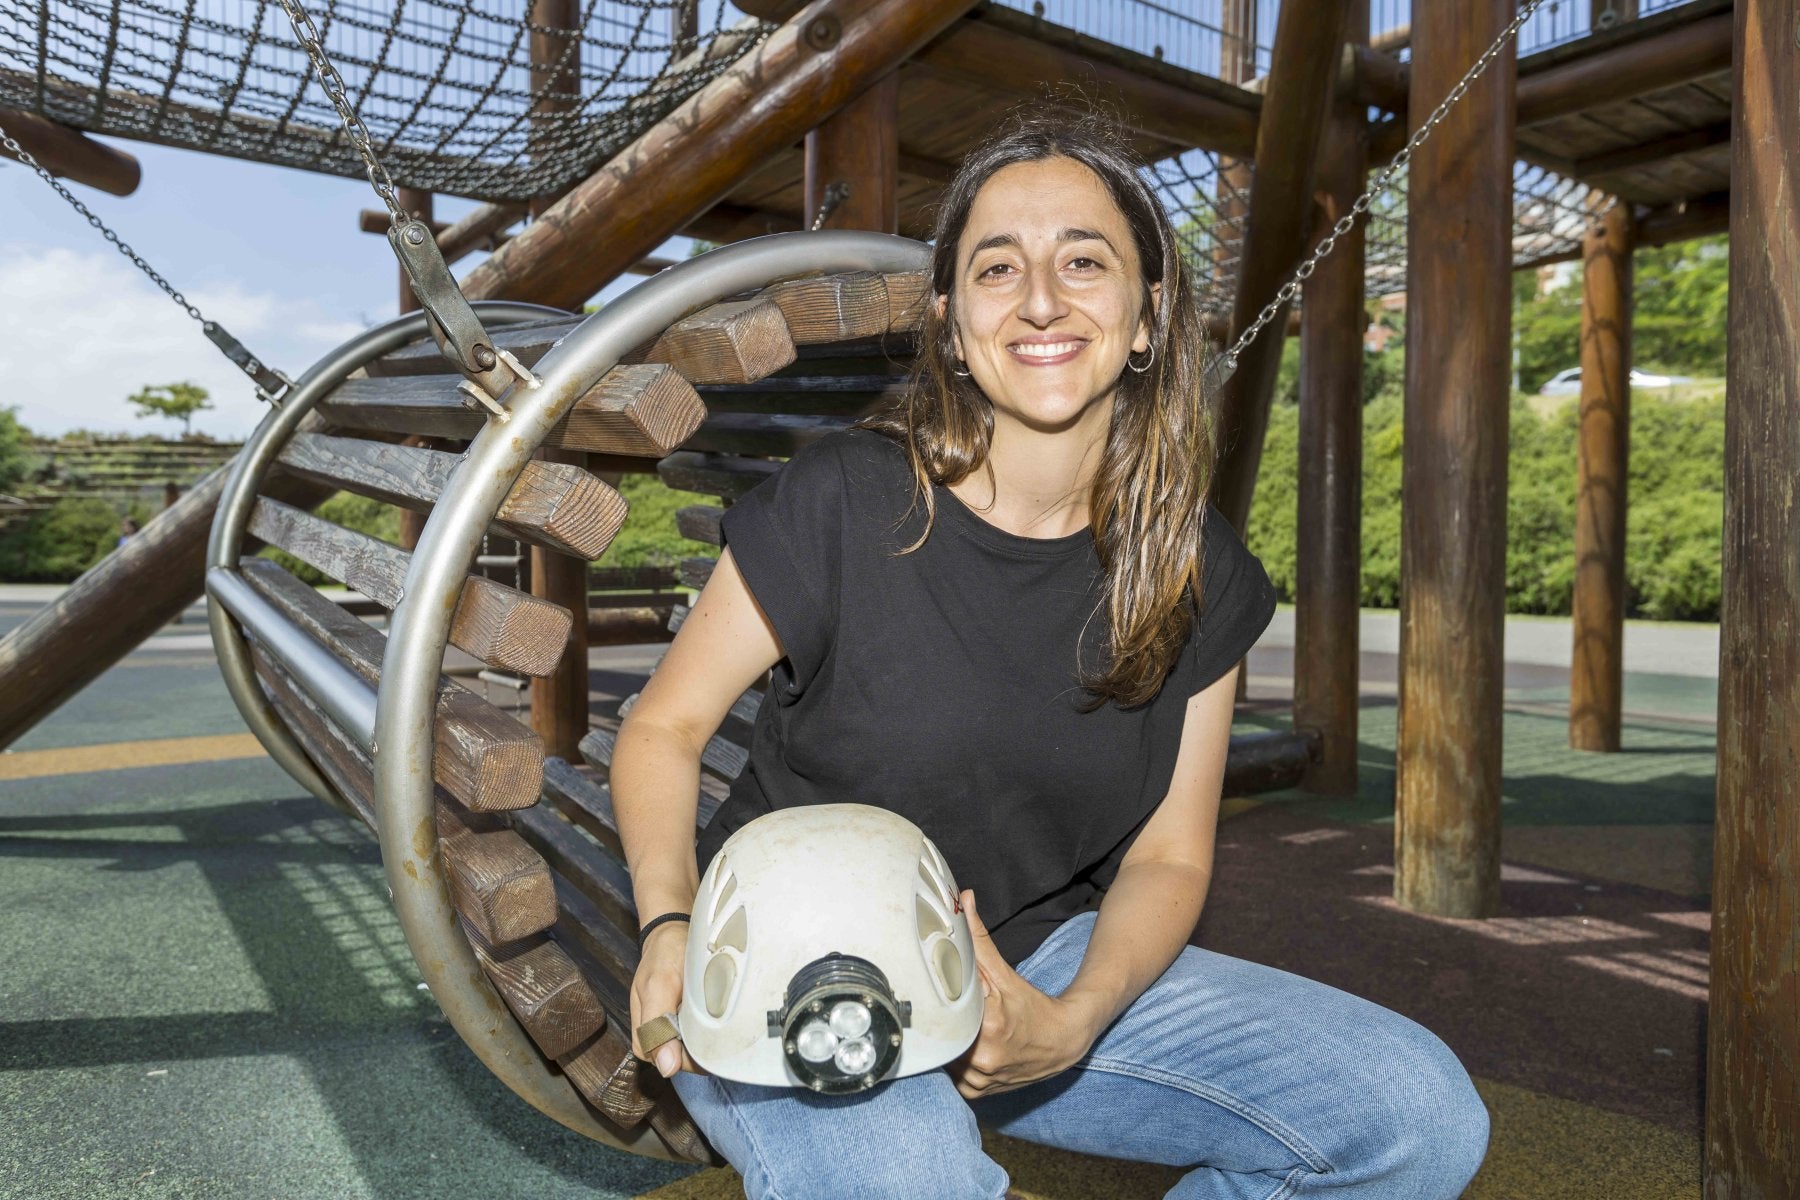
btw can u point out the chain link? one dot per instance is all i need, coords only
(1343, 225)
(333, 83)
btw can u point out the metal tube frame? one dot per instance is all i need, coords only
(419, 630)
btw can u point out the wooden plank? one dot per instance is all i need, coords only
(501, 626)
(583, 862)
(553, 504)
(608, 955)
(643, 409)
(1753, 1027)
(1453, 510)
(339, 759)
(832, 308)
(481, 755)
(845, 397)
(735, 341)
(544, 988)
(696, 571)
(497, 882)
(1596, 676)
(713, 474)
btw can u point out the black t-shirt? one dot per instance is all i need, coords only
(941, 684)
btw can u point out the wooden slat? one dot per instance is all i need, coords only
(338, 758)
(583, 862)
(527, 341)
(481, 755)
(700, 522)
(608, 955)
(555, 505)
(732, 342)
(630, 577)
(696, 571)
(645, 409)
(834, 395)
(586, 802)
(833, 308)
(501, 626)
(497, 882)
(544, 988)
(713, 474)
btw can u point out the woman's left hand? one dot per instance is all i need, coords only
(1025, 1035)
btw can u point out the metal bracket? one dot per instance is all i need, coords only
(489, 373)
(271, 384)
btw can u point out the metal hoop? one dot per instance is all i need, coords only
(1148, 363)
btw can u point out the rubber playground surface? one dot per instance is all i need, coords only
(206, 993)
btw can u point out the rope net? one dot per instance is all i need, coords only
(446, 87)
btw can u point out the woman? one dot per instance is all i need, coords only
(979, 607)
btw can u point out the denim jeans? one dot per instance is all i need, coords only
(1262, 1084)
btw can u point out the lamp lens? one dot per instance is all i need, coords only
(855, 1057)
(816, 1042)
(850, 1019)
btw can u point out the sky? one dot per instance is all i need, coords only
(273, 254)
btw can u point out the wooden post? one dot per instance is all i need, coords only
(559, 701)
(1237, 64)
(1453, 490)
(1328, 568)
(858, 148)
(1596, 681)
(1308, 43)
(1753, 1034)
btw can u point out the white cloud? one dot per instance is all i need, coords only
(81, 331)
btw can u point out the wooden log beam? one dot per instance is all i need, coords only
(857, 148)
(1328, 560)
(1632, 60)
(998, 50)
(1596, 677)
(1645, 154)
(70, 153)
(481, 229)
(1753, 1031)
(120, 601)
(1701, 216)
(1453, 489)
(829, 52)
(1308, 39)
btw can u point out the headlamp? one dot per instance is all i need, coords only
(828, 953)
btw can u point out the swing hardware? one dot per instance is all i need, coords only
(271, 384)
(458, 332)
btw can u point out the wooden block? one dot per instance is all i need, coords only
(582, 861)
(676, 1128)
(636, 410)
(713, 474)
(497, 882)
(907, 294)
(544, 989)
(833, 308)
(606, 1071)
(732, 342)
(555, 505)
(699, 522)
(484, 757)
(501, 626)
(696, 571)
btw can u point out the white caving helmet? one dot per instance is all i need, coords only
(827, 952)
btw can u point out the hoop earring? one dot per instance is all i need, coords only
(954, 371)
(1147, 362)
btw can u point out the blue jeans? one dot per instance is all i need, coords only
(1264, 1085)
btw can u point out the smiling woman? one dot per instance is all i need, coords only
(1004, 610)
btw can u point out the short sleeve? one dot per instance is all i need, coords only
(785, 535)
(1238, 604)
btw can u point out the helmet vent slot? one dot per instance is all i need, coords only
(949, 967)
(727, 889)
(734, 933)
(931, 921)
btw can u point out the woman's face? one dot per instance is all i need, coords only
(1049, 293)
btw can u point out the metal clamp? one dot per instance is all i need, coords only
(489, 373)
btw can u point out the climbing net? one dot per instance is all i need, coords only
(1208, 199)
(447, 88)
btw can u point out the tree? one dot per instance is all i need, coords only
(15, 453)
(176, 401)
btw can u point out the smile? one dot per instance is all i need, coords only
(1046, 353)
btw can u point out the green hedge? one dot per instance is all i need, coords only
(1675, 496)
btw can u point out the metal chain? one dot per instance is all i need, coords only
(333, 83)
(1229, 360)
(270, 383)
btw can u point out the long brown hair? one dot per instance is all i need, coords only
(1147, 502)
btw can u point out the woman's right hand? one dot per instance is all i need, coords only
(656, 992)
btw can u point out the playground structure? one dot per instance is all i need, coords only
(1668, 121)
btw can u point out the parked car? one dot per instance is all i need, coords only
(1568, 382)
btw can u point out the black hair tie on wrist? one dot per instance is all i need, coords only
(653, 922)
